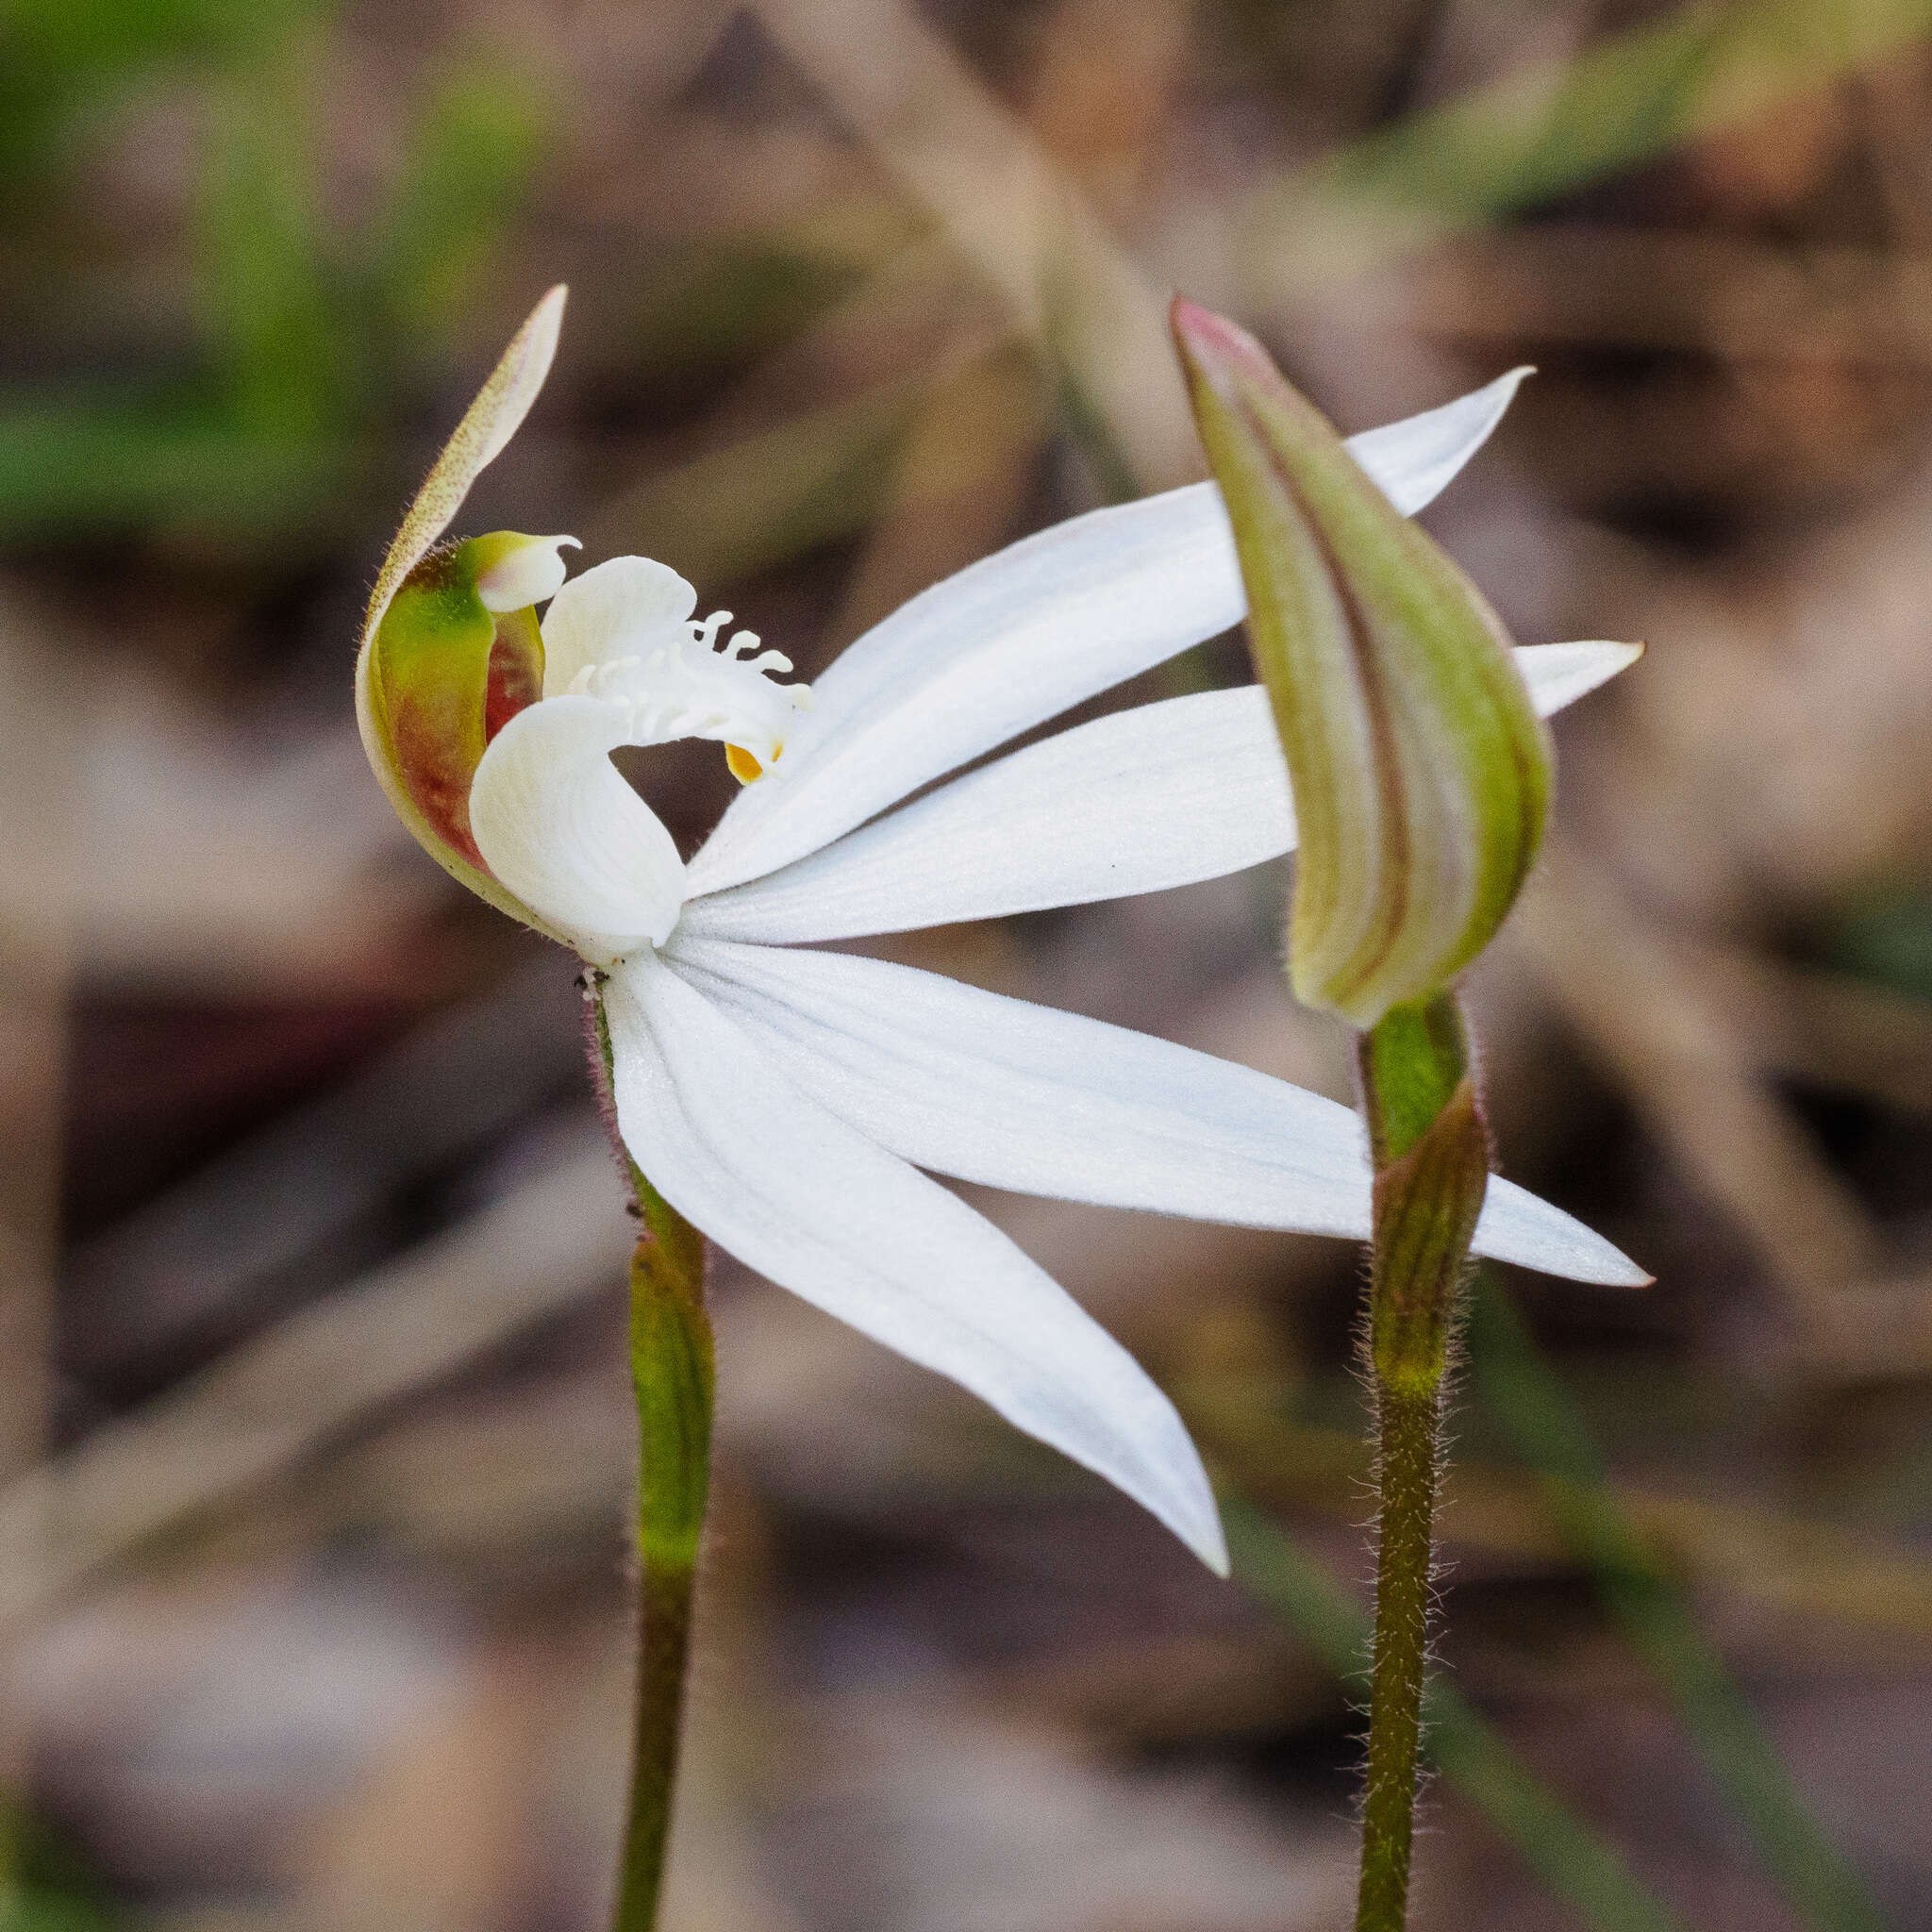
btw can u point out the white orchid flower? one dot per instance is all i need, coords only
(784, 1099)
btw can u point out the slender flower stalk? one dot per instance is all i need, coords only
(672, 1373)
(1431, 1150)
(1420, 773)
(672, 1367)
(790, 1103)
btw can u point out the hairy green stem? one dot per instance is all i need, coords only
(1431, 1154)
(672, 1373)
(663, 1634)
(1523, 1393)
(1580, 1867)
(1407, 1423)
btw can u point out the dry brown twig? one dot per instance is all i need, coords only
(1766, 1557)
(272, 1402)
(39, 725)
(1714, 294)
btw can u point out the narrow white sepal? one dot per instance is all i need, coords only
(1162, 795)
(806, 1200)
(1415, 460)
(1014, 1095)
(1028, 632)
(1156, 796)
(558, 826)
(1558, 674)
(972, 662)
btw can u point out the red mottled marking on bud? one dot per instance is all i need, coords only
(516, 670)
(438, 790)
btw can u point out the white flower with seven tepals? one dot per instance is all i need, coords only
(786, 1099)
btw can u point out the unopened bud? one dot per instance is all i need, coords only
(1420, 773)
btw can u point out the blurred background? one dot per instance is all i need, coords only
(315, 1449)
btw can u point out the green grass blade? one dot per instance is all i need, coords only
(76, 465)
(1550, 129)
(474, 151)
(1518, 1390)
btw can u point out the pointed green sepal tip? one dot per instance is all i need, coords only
(1422, 775)
(451, 649)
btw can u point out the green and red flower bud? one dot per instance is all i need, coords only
(1422, 775)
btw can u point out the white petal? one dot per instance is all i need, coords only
(812, 1204)
(1026, 633)
(614, 609)
(1014, 1095)
(558, 826)
(980, 658)
(1415, 460)
(1558, 674)
(1156, 796)
(1162, 795)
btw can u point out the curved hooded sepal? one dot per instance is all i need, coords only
(1421, 773)
(445, 674)
(434, 663)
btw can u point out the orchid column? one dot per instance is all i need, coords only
(1422, 778)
